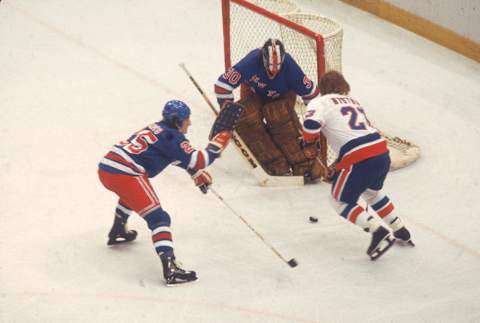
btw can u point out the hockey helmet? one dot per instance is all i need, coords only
(175, 112)
(273, 54)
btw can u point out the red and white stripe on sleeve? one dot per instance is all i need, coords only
(313, 94)
(223, 91)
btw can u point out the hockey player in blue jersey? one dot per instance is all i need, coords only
(126, 170)
(269, 125)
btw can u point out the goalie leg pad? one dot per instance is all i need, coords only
(281, 111)
(283, 126)
(285, 129)
(252, 130)
(251, 115)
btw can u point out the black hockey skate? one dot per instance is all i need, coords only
(382, 240)
(119, 233)
(401, 233)
(403, 237)
(175, 275)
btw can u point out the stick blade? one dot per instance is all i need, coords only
(292, 263)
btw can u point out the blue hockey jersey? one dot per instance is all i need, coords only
(251, 71)
(151, 149)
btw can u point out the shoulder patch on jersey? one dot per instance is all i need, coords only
(185, 145)
(307, 82)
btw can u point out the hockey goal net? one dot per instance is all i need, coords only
(314, 41)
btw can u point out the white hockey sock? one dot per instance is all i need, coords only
(396, 224)
(373, 223)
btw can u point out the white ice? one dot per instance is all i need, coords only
(78, 76)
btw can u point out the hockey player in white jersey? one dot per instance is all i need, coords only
(362, 164)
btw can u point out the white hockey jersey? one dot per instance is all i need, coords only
(344, 123)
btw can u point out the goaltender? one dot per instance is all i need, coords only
(269, 125)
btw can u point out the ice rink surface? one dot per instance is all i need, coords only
(78, 76)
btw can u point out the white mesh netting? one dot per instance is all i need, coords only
(249, 30)
(277, 6)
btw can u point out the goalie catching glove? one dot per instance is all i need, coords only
(226, 119)
(222, 128)
(203, 180)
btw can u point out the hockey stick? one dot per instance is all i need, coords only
(292, 262)
(263, 178)
(212, 107)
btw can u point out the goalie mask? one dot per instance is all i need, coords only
(273, 54)
(175, 112)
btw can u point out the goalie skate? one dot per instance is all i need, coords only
(382, 240)
(175, 275)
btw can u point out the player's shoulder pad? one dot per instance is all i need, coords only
(315, 103)
(253, 58)
(289, 60)
(323, 104)
(291, 65)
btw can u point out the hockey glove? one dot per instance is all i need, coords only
(203, 180)
(310, 149)
(219, 142)
(310, 143)
(226, 119)
(330, 172)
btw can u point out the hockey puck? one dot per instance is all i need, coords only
(292, 263)
(313, 219)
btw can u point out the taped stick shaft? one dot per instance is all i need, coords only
(288, 262)
(210, 104)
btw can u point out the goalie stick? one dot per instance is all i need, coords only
(262, 177)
